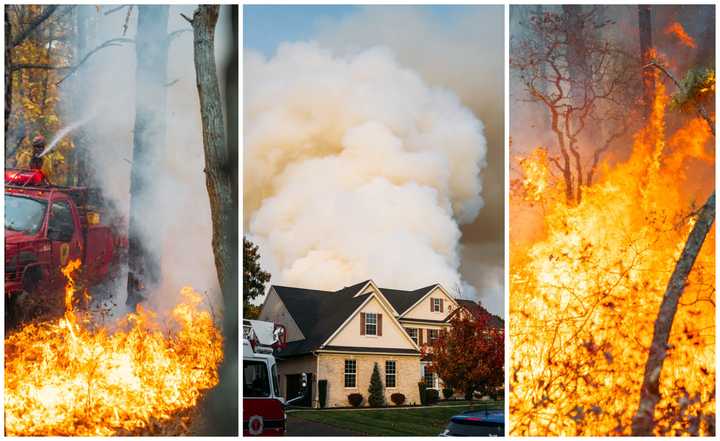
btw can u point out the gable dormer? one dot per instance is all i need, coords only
(372, 325)
(371, 288)
(436, 305)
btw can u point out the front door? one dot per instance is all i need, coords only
(294, 388)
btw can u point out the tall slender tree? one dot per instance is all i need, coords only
(648, 80)
(148, 141)
(218, 179)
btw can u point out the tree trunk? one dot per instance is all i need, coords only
(219, 167)
(645, 27)
(576, 57)
(80, 153)
(148, 141)
(643, 421)
(8, 72)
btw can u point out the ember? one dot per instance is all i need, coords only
(584, 297)
(66, 378)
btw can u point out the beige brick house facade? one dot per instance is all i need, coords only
(339, 336)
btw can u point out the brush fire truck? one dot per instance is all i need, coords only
(263, 407)
(46, 226)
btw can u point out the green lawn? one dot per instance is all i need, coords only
(427, 421)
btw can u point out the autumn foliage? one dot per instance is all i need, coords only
(469, 356)
(36, 106)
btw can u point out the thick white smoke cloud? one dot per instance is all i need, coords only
(355, 168)
(180, 227)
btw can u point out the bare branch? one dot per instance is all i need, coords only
(110, 11)
(127, 20)
(34, 24)
(110, 43)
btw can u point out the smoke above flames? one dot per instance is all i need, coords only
(179, 228)
(356, 168)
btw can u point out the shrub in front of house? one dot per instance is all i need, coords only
(432, 396)
(398, 399)
(376, 395)
(447, 393)
(322, 392)
(355, 399)
(422, 388)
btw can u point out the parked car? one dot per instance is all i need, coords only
(477, 423)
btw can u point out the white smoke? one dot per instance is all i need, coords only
(180, 227)
(355, 168)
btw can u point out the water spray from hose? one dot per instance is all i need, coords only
(65, 131)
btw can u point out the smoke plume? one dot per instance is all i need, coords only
(179, 227)
(356, 168)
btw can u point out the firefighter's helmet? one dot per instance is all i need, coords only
(38, 141)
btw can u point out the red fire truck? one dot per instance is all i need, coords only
(263, 406)
(45, 227)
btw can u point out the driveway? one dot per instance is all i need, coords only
(300, 427)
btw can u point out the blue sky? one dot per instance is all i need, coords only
(266, 26)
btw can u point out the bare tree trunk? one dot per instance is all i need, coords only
(576, 57)
(8, 72)
(219, 166)
(148, 141)
(80, 153)
(645, 27)
(643, 421)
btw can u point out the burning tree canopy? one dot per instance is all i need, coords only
(587, 283)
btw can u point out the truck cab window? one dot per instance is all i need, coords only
(61, 224)
(24, 214)
(256, 381)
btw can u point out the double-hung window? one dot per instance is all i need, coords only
(370, 323)
(429, 378)
(436, 305)
(390, 373)
(350, 373)
(433, 335)
(413, 333)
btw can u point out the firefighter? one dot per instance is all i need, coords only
(30, 158)
(38, 146)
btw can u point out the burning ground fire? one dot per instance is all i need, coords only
(584, 297)
(64, 378)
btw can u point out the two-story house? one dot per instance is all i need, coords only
(339, 336)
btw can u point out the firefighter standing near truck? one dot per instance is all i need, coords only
(30, 158)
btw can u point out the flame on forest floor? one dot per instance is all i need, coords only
(584, 296)
(63, 378)
(678, 31)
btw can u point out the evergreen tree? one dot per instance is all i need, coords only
(376, 396)
(254, 279)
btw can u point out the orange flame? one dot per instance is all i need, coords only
(64, 379)
(678, 31)
(585, 295)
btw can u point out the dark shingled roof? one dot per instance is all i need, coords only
(477, 310)
(402, 300)
(317, 313)
(320, 313)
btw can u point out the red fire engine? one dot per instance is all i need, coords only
(263, 407)
(45, 227)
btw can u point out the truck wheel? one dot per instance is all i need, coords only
(17, 308)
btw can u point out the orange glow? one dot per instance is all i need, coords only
(68, 378)
(585, 295)
(678, 31)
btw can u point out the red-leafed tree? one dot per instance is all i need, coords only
(470, 355)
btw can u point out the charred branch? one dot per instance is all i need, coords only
(643, 421)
